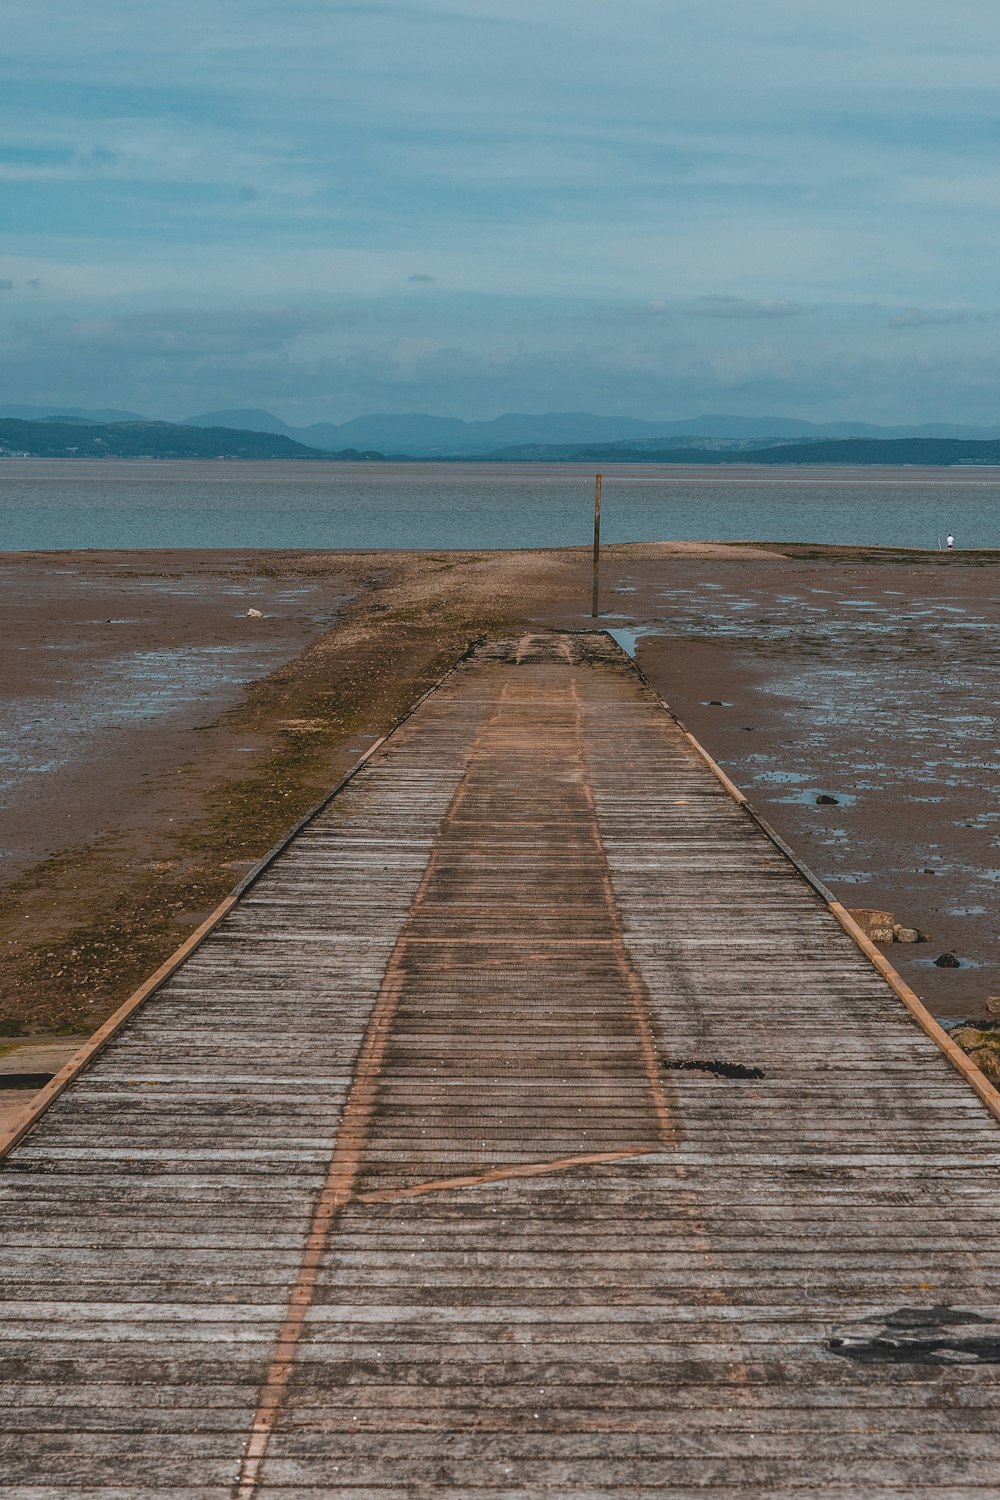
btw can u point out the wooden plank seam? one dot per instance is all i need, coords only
(631, 980)
(342, 1173)
(504, 1174)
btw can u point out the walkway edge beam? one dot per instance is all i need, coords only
(32, 1113)
(988, 1094)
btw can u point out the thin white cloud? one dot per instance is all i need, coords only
(718, 306)
(930, 317)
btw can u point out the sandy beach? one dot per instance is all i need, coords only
(161, 741)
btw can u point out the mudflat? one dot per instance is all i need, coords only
(158, 740)
(111, 659)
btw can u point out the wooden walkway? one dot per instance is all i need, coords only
(529, 1129)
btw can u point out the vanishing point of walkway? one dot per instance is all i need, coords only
(530, 1128)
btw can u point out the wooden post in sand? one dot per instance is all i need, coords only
(597, 545)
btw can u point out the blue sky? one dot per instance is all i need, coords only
(657, 207)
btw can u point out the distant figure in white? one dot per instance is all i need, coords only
(949, 542)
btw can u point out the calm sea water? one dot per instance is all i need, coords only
(48, 505)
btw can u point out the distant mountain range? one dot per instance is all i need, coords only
(931, 452)
(80, 438)
(74, 413)
(422, 436)
(76, 433)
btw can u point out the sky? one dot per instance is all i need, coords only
(644, 207)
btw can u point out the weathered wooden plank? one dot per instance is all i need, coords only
(480, 958)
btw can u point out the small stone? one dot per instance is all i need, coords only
(928, 871)
(993, 1005)
(254, 614)
(715, 703)
(947, 961)
(825, 800)
(906, 934)
(877, 926)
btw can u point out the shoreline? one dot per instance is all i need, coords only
(832, 552)
(224, 470)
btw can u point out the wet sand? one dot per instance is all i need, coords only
(174, 745)
(111, 660)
